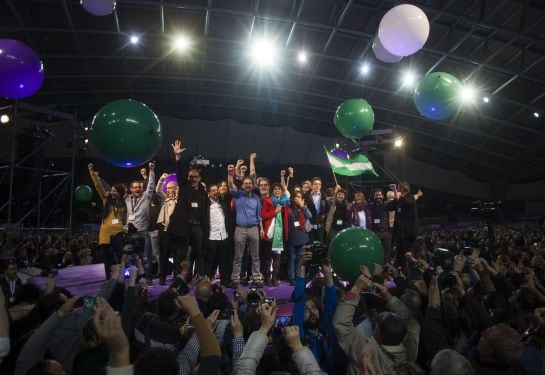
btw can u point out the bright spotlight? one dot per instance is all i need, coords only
(536, 114)
(365, 68)
(86, 141)
(4, 119)
(181, 43)
(337, 145)
(467, 95)
(86, 128)
(486, 99)
(409, 79)
(302, 57)
(398, 142)
(135, 39)
(263, 53)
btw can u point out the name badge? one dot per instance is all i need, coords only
(296, 224)
(131, 217)
(115, 221)
(339, 222)
(194, 204)
(376, 221)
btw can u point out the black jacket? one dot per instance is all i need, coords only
(226, 208)
(179, 219)
(406, 216)
(316, 219)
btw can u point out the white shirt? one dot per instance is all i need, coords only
(317, 197)
(363, 218)
(218, 231)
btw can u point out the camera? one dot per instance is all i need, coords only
(270, 301)
(180, 285)
(319, 255)
(253, 298)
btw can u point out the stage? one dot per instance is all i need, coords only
(87, 281)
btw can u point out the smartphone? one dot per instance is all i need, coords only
(87, 302)
(283, 321)
(225, 315)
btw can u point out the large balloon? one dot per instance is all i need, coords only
(354, 118)
(126, 132)
(170, 178)
(98, 7)
(83, 193)
(21, 70)
(382, 54)
(354, 247)
(404, 29)
(437, 95)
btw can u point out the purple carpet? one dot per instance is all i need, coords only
(87, 281)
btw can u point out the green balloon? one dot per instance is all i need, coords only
(83, 193)
(437, 96)
(354, 118)
(126, 132)
(353, 247)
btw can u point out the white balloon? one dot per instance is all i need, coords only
(382, 54)
(98, 7)
(404, 29)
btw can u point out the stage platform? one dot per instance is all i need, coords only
(87, 281)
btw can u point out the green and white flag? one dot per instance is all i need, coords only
(354, 166)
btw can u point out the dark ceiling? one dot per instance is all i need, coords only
(497, 45)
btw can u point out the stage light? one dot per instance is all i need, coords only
(337, 145)
(86, 128)
(135, 39)
(365, 68)
(486, 99)
(4, 119)
(302, 57)
(536, 114)
(181, 43)
(398, 142)
(263, 53)
(86, 141)
(409, 79)
(467, 95)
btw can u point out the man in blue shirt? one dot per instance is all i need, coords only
(249, 228)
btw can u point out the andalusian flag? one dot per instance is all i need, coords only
(354, 166)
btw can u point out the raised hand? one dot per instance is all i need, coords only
(91, 167)
(177, 147)
(212, 319)
(68, 307)
(239, 162)
(144, 173)
(230, 168)
(293, 338)
(108, 327)
(253, 155)
(268, 316)
(152, 166)
(236, 325)
(290, 171)
(282, 173)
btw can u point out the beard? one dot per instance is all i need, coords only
(313, 322)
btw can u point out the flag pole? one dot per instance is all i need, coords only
(335, 177)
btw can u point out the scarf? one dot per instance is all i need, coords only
(354, 210)
(282, 201)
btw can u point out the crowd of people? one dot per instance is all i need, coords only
(443, 302)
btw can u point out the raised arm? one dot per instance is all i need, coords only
(151, 180)
(178, 149)
(230, 178)
(96, 181)
(159, 188)
(253, 155)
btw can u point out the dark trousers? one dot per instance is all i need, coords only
(316, 235)
(217, 254)
(265, 258)
(386, 240)
(109, 257)
(403, 245)
(196, 255)
(170, 244)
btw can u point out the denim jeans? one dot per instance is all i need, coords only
(293, 260)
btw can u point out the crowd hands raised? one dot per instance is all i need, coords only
(423, 311)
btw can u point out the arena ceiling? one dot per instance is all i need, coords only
(496, 45)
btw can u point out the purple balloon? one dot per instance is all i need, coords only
(340, 153)
(170, 178)
(21, 70)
